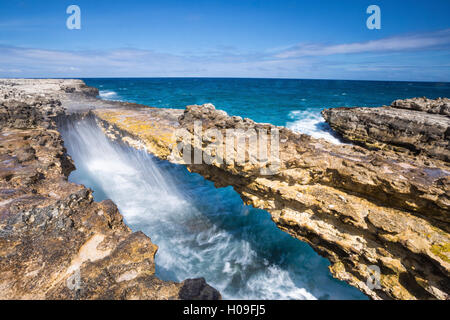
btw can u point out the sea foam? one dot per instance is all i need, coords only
(311, 122)
(108, 94)
(201, 231)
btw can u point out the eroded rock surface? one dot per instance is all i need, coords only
(416, 126)
(360, 208)
(436, 106)
(55, 241)
(357, 207)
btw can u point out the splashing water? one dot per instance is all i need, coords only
(108, 94)
(201, 231)
(311, 122)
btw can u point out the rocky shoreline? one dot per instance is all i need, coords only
(416, 126)
(379, 204)
(355, 206)
(55, 241)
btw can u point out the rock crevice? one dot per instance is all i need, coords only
(56, 242)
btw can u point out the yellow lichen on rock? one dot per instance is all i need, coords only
(344, 200)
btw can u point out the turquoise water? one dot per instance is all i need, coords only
(206, 232)
(295, 103)
(201, 231)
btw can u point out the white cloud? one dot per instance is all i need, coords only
(308, 61)
(392, 44)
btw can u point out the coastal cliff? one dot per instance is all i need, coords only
(357, 206)
(56, 242)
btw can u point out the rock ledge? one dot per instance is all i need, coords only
(55, 241)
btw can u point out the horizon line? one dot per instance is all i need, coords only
(243, 78)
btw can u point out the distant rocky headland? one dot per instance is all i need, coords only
(381, 200)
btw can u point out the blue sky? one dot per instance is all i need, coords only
(320, 39)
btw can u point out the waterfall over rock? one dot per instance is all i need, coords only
(201, 231)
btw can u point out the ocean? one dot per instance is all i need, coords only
(206, 232)
(284, 102)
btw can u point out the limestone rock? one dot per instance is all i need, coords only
(358, 207)
(437, 106)
(416, 126)
(55, 241)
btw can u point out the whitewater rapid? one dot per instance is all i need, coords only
(201, 231)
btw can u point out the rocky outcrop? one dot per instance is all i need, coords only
(55, 241)
(361, 209)
(51, 88)
(437, 106)
(417, 126)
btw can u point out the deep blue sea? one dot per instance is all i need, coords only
(285, 102)
(206, 232)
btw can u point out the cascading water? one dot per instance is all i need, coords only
(201, 231)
